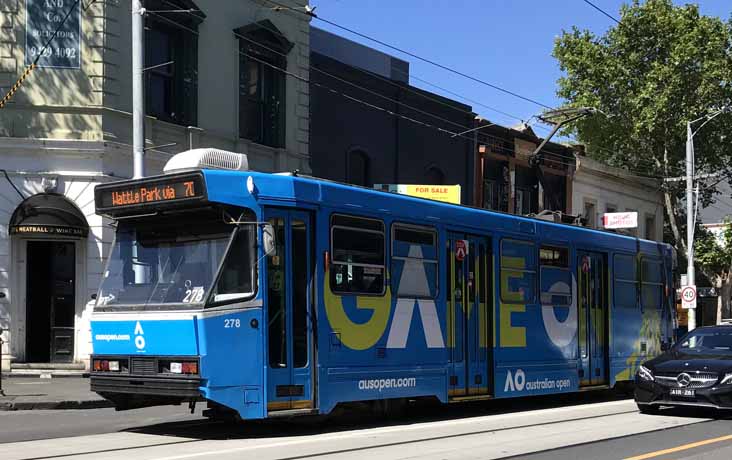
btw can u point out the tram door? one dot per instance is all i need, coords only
(469, 303)
(289, 304)
(593, 317)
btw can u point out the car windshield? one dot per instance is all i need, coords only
(708, 341)
(171, 263)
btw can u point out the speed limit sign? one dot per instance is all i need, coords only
(688, 297)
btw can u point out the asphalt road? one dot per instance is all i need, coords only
(573, 427)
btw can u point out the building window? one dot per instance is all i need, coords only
(633, 231)
(650, 229)
(171, 91)
(358, 168)
(262, 83)
(589, 214)
(609, 208)
(434, 176)
(522, 201)
(490, 194)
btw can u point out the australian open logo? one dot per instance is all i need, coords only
(139, 337)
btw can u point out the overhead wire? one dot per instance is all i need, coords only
(602, 11)
(277, 32)
(411, 54)
(554, 157)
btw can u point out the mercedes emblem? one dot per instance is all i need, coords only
(683, 380)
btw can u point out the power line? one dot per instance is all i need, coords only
(557, 159)
(416, 56)
(601, 10)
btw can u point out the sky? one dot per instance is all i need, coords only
(504, 42)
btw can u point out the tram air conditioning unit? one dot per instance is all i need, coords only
(207, 158)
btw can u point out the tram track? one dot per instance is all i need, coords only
(307, 444)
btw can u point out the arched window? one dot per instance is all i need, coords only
(358, 168)
(434, 176)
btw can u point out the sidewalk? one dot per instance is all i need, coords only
(55, 393)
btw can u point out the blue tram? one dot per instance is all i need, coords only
(270, 294)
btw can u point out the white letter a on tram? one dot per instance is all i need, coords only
(414, 280)
(138, 329)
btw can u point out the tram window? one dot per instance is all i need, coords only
(625, 281)
(357, 255)
(414, 250)
(555, 279)
(518, 271)
(651, 283)
(237, 280)
(277, 303)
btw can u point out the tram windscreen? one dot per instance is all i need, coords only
(175, 264)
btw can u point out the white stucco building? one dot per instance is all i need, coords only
(598, 189)
(214, 82)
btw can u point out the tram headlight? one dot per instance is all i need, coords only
(106, 365)
(645, 374)
(179, 367)
(727, 380)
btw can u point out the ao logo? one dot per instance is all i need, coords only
(362, 336)
(515, 382)
(139, 336)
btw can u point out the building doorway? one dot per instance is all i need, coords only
(50, 301)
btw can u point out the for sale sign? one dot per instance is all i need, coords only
(620, 220)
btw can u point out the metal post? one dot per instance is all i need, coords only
(138, 90)
(690, 281)
(2, 392)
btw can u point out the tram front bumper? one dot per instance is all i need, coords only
(132, 382)
(144, 385)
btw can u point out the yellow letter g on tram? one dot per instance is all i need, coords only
(358, 336)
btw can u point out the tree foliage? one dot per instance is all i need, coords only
(660, 67)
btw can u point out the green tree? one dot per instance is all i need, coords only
(660, 67)
(714, 252)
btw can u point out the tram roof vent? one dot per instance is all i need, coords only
(207, 158)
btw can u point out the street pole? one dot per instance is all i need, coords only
(690, 281)
(138, 91)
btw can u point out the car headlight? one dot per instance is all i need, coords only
(726, 380)
(645, 374)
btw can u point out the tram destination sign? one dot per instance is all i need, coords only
(43, 18)
(149, 192)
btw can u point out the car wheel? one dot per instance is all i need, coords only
(648, 409)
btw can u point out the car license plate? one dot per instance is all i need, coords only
(682, 392)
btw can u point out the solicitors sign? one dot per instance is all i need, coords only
(43, 18)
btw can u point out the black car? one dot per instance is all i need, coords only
(697, 371)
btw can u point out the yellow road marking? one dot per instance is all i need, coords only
(680, 448)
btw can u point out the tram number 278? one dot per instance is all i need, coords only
(230, 323)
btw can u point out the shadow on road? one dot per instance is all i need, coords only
(362, 418)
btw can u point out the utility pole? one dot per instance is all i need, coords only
(138, 90)
(690, 275)
(690, 216)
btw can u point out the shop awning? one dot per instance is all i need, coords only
(48, 214)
